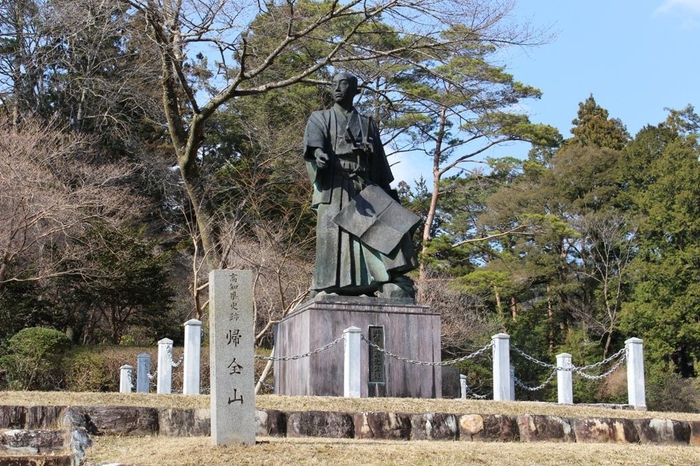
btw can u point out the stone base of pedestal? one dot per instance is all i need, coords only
(406, 330)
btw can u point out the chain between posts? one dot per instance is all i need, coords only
(605, 374)
(621, 355)
(520, 384)
(300, 356)
(428, 363)
(169, 352)
(572, 368)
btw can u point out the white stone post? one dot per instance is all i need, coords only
(231, 342)
(353, 364)
(125, 373)
(501, 367)
(635, 373)
(463, 386)
(512, 383)
(193, 351)
(565, 386)
(165, 366)
(143, 367)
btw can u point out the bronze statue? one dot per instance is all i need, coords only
(363, 236)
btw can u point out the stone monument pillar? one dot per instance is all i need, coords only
(232, 336)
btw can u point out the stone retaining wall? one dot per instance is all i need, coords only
(122, 420)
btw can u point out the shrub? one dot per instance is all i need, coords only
(87, 371)
(33, 359)
(673, 393)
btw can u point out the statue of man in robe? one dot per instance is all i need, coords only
(363, 236)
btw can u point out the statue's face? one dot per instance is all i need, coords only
(344, 88)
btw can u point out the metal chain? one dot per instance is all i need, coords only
(534, 360)
(427, 363)
(605, 361)
(571, 368)
(520, 384)
(177, 364)
(604, 375)
(169, 353)
(299, 356)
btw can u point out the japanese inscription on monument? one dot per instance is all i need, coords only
(231, 346)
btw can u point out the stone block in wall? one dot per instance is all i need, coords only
(694, 433)
(382, 425)
(44, 417)
(662, 431)
(179, 422)
(434, 426)
(605, 430)
(112, 420)
(37, 460)
(271, 423)
(539, 428)
(488, 428)
(320, 424)
(12, 417)
(32, 442)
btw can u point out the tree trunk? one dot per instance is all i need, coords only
(437, 174)
(550, 320)
(499, 307)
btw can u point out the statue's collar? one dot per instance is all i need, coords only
(339, 109)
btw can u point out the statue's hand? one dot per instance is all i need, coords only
(322, 159)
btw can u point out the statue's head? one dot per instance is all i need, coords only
(344, 88)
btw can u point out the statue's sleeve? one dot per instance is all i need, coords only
(316, 136)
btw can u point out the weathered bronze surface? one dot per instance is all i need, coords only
(363, 235)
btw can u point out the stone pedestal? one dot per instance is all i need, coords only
(406, 330)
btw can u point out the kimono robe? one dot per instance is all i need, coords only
(344, 264)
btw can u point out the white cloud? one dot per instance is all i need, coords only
(678, 6)
(687, 11)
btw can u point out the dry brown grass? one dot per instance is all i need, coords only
(348, 405)
(157, 451)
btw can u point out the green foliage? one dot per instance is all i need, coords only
(594, 128)
(33, 359)
(22, 306)
(664, 308)
(129, 287)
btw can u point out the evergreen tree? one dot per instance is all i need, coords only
(594, 128)
(665, 306)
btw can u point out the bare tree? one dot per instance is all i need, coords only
(465, 316)
(607, 242)
(48, 197)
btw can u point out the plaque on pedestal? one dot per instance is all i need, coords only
(406, 330)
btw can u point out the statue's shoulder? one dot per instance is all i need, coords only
(324, 114)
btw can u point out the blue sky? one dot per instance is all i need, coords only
(637, 57)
